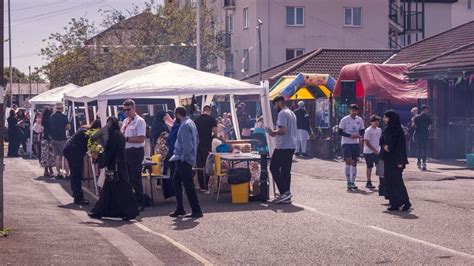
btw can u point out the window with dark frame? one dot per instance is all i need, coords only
(293, 53)
(294, 16)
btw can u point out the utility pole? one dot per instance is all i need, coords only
(10, 52)
(198, 34)
(29, 77)
(2, 119)
(259, 31)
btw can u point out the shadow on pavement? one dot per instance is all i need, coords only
(402, 215)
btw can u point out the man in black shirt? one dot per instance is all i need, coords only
(422, 123)
(302, 123)
(207, 129)
(59, 126)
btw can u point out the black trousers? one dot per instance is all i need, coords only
(201, 163)
(183, 176)
(280, 167)
(421, 147)
(135, 158)
(76, 166)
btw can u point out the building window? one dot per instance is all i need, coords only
(229, 23)
(292, 53)
(245, 60)
(229, 63)
(294, 16)
(246, 18)
(353, 16)
(470, 4)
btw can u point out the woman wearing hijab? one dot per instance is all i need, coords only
(13, 135)
(74, 151)
(48, 158)
(394, 154)
(117, 198)
(157, 128)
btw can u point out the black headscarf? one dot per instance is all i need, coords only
(394, 137)
(104, 134)
(158, 125)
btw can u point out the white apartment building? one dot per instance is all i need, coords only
(293, 27)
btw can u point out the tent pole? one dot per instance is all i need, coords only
(86, 110)
(235, 121)
(267, 114)
(74, 115)
(109, 109)
(94, 110)
(115, 111)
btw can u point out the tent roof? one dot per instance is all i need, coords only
(53, 96)
(384, 82)
(173, 80)
(90, 92)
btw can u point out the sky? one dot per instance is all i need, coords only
(35, 20)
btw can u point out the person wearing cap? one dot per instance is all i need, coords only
(59, 125)
(302, 123)
(422, 124)
(351, 129)
(372, 147)
(285, 145)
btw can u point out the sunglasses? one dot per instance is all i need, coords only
(126, 109)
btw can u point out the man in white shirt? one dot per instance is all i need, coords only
(134, 130)
(351, 128)
(372, 147)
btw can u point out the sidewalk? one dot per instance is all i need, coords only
(47, 229)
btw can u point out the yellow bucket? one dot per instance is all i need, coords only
(240, 193)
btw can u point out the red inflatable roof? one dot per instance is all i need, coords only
(383, 82)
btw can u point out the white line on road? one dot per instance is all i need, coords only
(381, 230)
(134, 251)
(165, 237)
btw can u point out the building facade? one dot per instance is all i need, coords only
(293, 27)
(22, 92)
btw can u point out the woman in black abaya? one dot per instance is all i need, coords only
(117, 198)
(395, 159)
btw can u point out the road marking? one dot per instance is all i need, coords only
(175, 243)
(134, 251)
(165, 237)
(445, 249)
(381, 230)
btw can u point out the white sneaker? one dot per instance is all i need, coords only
(286, 196)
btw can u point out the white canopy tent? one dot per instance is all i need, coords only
(170, 80)
(50, 97)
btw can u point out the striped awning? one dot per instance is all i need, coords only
(303, 86)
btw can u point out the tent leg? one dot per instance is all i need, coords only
(115, 111)
(86, 110)
(74, 116)
(235, 121)
(94, 110)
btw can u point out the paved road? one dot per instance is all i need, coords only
(326, 225)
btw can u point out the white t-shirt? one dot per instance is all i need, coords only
(373, 136)
(351, 126)
(134, 128)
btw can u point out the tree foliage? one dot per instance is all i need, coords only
(18, 76)
(132, 39)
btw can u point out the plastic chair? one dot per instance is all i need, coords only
(218, 173)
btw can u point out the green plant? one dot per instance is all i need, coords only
(94, 148)
(5, 232)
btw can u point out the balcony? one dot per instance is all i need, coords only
(229, 4)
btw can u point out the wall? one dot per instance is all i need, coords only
(324, 27)
(460, 14)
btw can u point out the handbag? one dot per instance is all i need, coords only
(379, 171)
(237, 176)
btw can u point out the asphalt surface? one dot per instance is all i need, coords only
(325, 225)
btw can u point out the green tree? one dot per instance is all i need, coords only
(133, 39)
(18, 76)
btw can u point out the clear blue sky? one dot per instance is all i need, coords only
(34, 20)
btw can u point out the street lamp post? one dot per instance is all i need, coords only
(198, 34)
(259, 31)
(10, 52)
